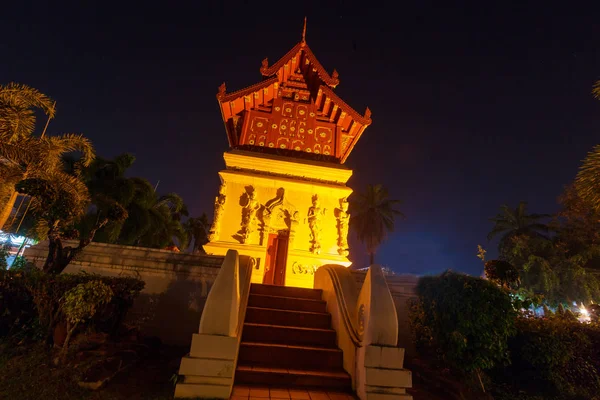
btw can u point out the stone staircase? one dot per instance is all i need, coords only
(287, 342)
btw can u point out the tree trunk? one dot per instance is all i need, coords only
(7, 208)
(372, 258)
(59, 257)
(65, 348)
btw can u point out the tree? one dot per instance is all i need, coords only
(372, 217)
(197, 231)
(38, 157)
(515, 222)
(17, 121)
(587, 181)
(59, 202)
(502, 273)
(466, 321)
(152, 221)
(81, 303)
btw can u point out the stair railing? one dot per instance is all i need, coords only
(366, 324)
(208, 370)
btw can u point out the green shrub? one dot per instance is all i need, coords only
(465, 321)
(556, 357)
(17, 309)
(46, 293)
(81, 303)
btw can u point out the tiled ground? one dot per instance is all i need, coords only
(264, 393)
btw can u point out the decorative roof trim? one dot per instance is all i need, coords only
(223, 97)
(267, 70)
(364, 120)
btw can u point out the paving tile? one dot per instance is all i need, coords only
(279, 394)
(299, 395)
(318, 396)
(337, 396)
(241, 391)
(259, 392)
(234, 397)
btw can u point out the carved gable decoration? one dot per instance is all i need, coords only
(295, 109)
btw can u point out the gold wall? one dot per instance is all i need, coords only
(284, 191)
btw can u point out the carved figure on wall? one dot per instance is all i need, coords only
(314, 217)
(343, 218)
(215, 228)
(249, 215)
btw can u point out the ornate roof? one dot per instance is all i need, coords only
(296, 93)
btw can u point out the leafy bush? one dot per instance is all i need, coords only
(81, 303)
(17, 309)
(555, 357)
(464, 321)
(46, 294)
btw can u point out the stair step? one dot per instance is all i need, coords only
(269, 316)
(271, 355)
(291, 335)
(293, 378)
(286, 291)
(287, 303)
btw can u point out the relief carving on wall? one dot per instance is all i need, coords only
(314, 218)
(343, 218)
(278, 215)
(250, 207)
(299, 269)
(220, 200)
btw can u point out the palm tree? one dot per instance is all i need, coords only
(21, 154)
(197, 230)
(372, 217)
(36, 157)
(587, 182)
(17, 105)
(514, 222)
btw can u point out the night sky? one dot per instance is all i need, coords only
(473, 106)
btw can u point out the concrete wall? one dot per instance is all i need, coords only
(403, 288)
(177, 284)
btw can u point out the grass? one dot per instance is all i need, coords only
(27, 373)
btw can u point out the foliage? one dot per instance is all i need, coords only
(515, 222)
(465, 321)
(46, 294)
(554, 357)
(502, 273)
(59, 203)
(372, 216)
(587, 182)
(17, 104)
(17, 309)
(81, 303)
(152, 221)
(547, 268)
(197, 231)
(4, 253)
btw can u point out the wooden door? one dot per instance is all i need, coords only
(276, 259)
(281, 259)
(270, 260)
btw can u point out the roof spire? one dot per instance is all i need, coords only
(304, 32)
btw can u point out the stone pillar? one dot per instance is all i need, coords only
(208, 370)
(380, 373)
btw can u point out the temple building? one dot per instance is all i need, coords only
(283, 195)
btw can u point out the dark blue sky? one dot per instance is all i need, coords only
(473, 105)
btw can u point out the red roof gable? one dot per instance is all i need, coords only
(294, 110)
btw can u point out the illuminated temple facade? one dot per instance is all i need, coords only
(283, 197)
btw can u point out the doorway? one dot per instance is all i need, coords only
(276, 259)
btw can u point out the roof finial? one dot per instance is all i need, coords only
(304, 32)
